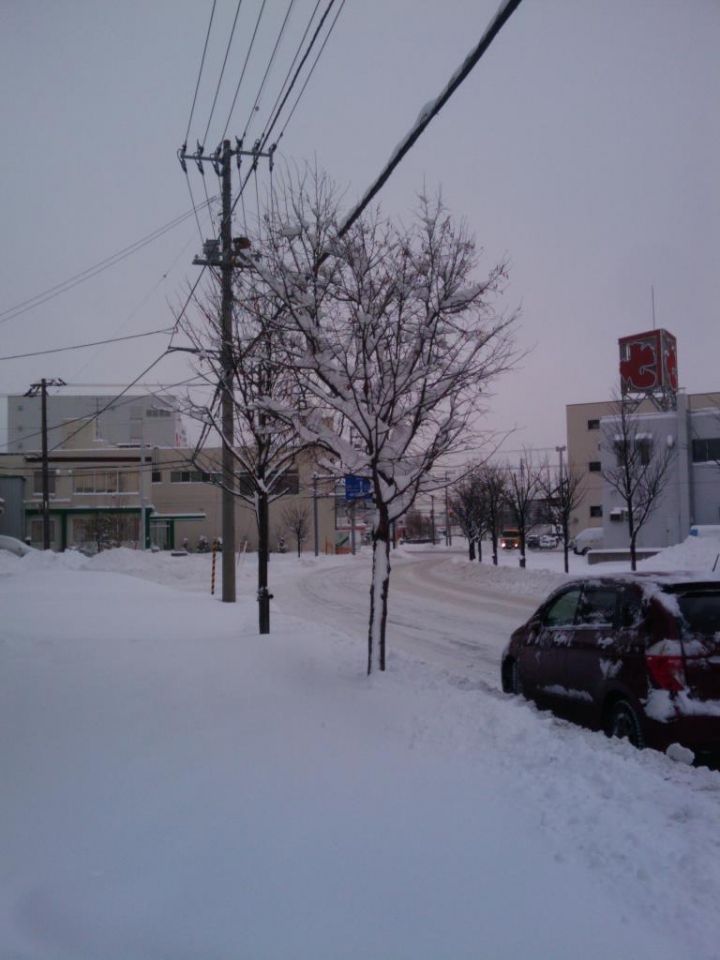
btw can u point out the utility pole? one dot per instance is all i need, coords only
(315, 514)
(40, 389)
(222, 256)
(432, 517)
(448, 532)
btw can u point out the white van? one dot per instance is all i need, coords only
(589, 539)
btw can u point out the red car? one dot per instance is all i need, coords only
(635, 655)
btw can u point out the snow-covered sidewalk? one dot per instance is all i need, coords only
(175, 786)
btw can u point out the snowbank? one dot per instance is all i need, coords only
(182, 787)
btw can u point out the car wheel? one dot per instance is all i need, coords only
(516, 681)
(624, 723)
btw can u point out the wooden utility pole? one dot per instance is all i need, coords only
(228, 424)
(221, 255)
(40, 389)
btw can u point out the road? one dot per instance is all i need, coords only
(451, 624)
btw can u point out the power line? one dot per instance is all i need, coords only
(83, 346)
(202, 64)
(276, 110)
(10, 313)
(268, 68)
(315, 63)
(244, 68)
(500, 19)
(222, 72)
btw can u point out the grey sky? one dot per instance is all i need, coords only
(585, 146)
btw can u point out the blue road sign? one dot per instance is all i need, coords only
(358, 488)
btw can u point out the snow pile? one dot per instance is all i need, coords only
(693, 554)
(182, 787)
(528, 582)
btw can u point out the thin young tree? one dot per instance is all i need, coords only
(395, 339)
(296, 518)
(466, 504)
(265, 449)
(521, 492)
(637, 466)
(563, 494)
(493, 480)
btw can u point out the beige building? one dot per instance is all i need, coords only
(584, 439)
(115, 493)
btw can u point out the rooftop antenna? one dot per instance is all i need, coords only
(652, 297)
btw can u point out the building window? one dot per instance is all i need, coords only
(157, 476)
(593, 424)
(36, 531)
(706, 450)
(643, 445)
(186, 476)
(156, 412)
(594, 466)
(38, 482)
(106, 481)
(596, 511)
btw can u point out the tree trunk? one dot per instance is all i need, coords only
(566, 537)
(263, 594)
(299, 545)
(479, 550)
(633, 536)
(494, 549)
(471, 548)
(379, 591)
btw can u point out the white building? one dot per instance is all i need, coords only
(87, 421)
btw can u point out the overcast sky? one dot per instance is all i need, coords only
(585, 148)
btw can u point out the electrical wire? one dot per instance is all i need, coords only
(83, 346)
(222, 71)
(244, 68)
(202, 64)
(294, 59)
(312, 69)
(138, 306)
(497, 23)
(268, 69)
(10, 313)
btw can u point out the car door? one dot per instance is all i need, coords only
(543, 663)
(592, 654)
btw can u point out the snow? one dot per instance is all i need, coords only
(177, 786)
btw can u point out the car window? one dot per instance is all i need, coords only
(598, 605)
(701, 611)
(561, 611)
(631, 607)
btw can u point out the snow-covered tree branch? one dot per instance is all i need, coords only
(393, 341)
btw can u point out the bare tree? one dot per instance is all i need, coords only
(417, 527)
(563, 494)
(493, 482)
(521, 492)
(394, 339)
(265, 448)
(468, 509)
(637, 467)
(296, 518)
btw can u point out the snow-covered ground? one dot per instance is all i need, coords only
(175, 786)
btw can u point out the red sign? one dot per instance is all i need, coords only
(648, 362)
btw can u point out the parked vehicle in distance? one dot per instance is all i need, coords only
(532, 541)
(510, 539)
(13, 545)
(592, 538)
(548, 542)
(635, 655)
